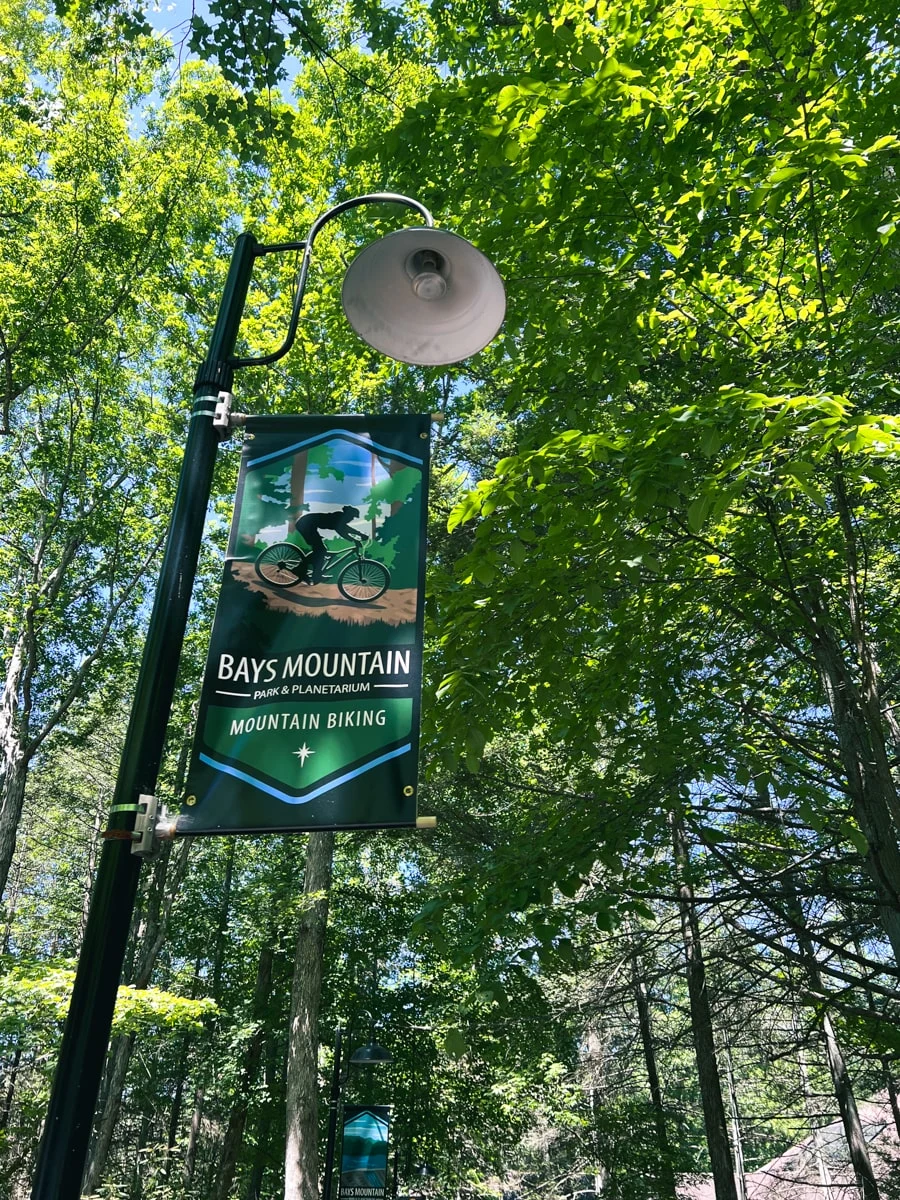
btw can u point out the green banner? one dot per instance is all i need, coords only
(364, 1152)
(309, 714)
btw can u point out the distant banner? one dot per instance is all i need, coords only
(309, 714)
(364, 1153)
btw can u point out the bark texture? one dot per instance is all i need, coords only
(870, 782)
(13, 758)
(840, 1077)
(116, 1073)
(714, 1119)
(196, 1123)
(237, 1121)
(161, 894)
(666, 1173)
(301, 1159)
(863, 719)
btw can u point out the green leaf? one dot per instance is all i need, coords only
(507, 96)
(713, 836)
(697, 513)
(484, 573)
(855, 835)
(455, 1043)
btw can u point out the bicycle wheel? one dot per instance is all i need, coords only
(281, 564)
(364, 580)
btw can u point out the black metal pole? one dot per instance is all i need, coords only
(73, 1098)
(333, 1104)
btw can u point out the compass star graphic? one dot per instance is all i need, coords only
(303, 754)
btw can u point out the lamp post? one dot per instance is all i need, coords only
(423, 1173)
(370, 1055)
(419, 295)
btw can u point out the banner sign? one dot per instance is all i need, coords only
(309, 714)
(364, 1153)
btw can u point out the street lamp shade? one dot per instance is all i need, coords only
(371, 1055)
(424, 296)
(425, 1171)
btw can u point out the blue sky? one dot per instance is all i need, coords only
(171, 18)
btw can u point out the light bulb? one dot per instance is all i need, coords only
(427, 269)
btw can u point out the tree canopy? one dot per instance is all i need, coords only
(652, 943)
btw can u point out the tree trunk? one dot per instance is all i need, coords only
(14, 890)
(372, 482)
(856, 712)
(10, 1088)
(812, 1118)
(159, 897)
(843, 1090)
(840, 1076)
(177, 1102)
(137, 1178)
(234, 1134)
(151, 936)
(393, 467)
(740, 1176)
(265, 1121)
(301, 1158)
(666, 1173)
(13, 769)
(600, 1171)
(298, 488)
(117, 1070)
(190, 1154)
(702, 1029)
(888, 1068)
(91, 867)
(180, 1079)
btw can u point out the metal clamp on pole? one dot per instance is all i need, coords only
(145, 842)
(222, 415)
(224, 420)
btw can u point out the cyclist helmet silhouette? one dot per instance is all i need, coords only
(308, 527)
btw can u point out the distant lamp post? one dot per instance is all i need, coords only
(370, 1055)
(423, 1173)
(418, 295)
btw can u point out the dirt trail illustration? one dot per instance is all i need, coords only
(395, 607)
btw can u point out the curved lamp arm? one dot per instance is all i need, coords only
(372, 198)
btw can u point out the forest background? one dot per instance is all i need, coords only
(652, 943)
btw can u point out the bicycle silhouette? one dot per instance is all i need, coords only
(359, 579)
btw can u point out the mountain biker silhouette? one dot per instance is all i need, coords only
(308, 527)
